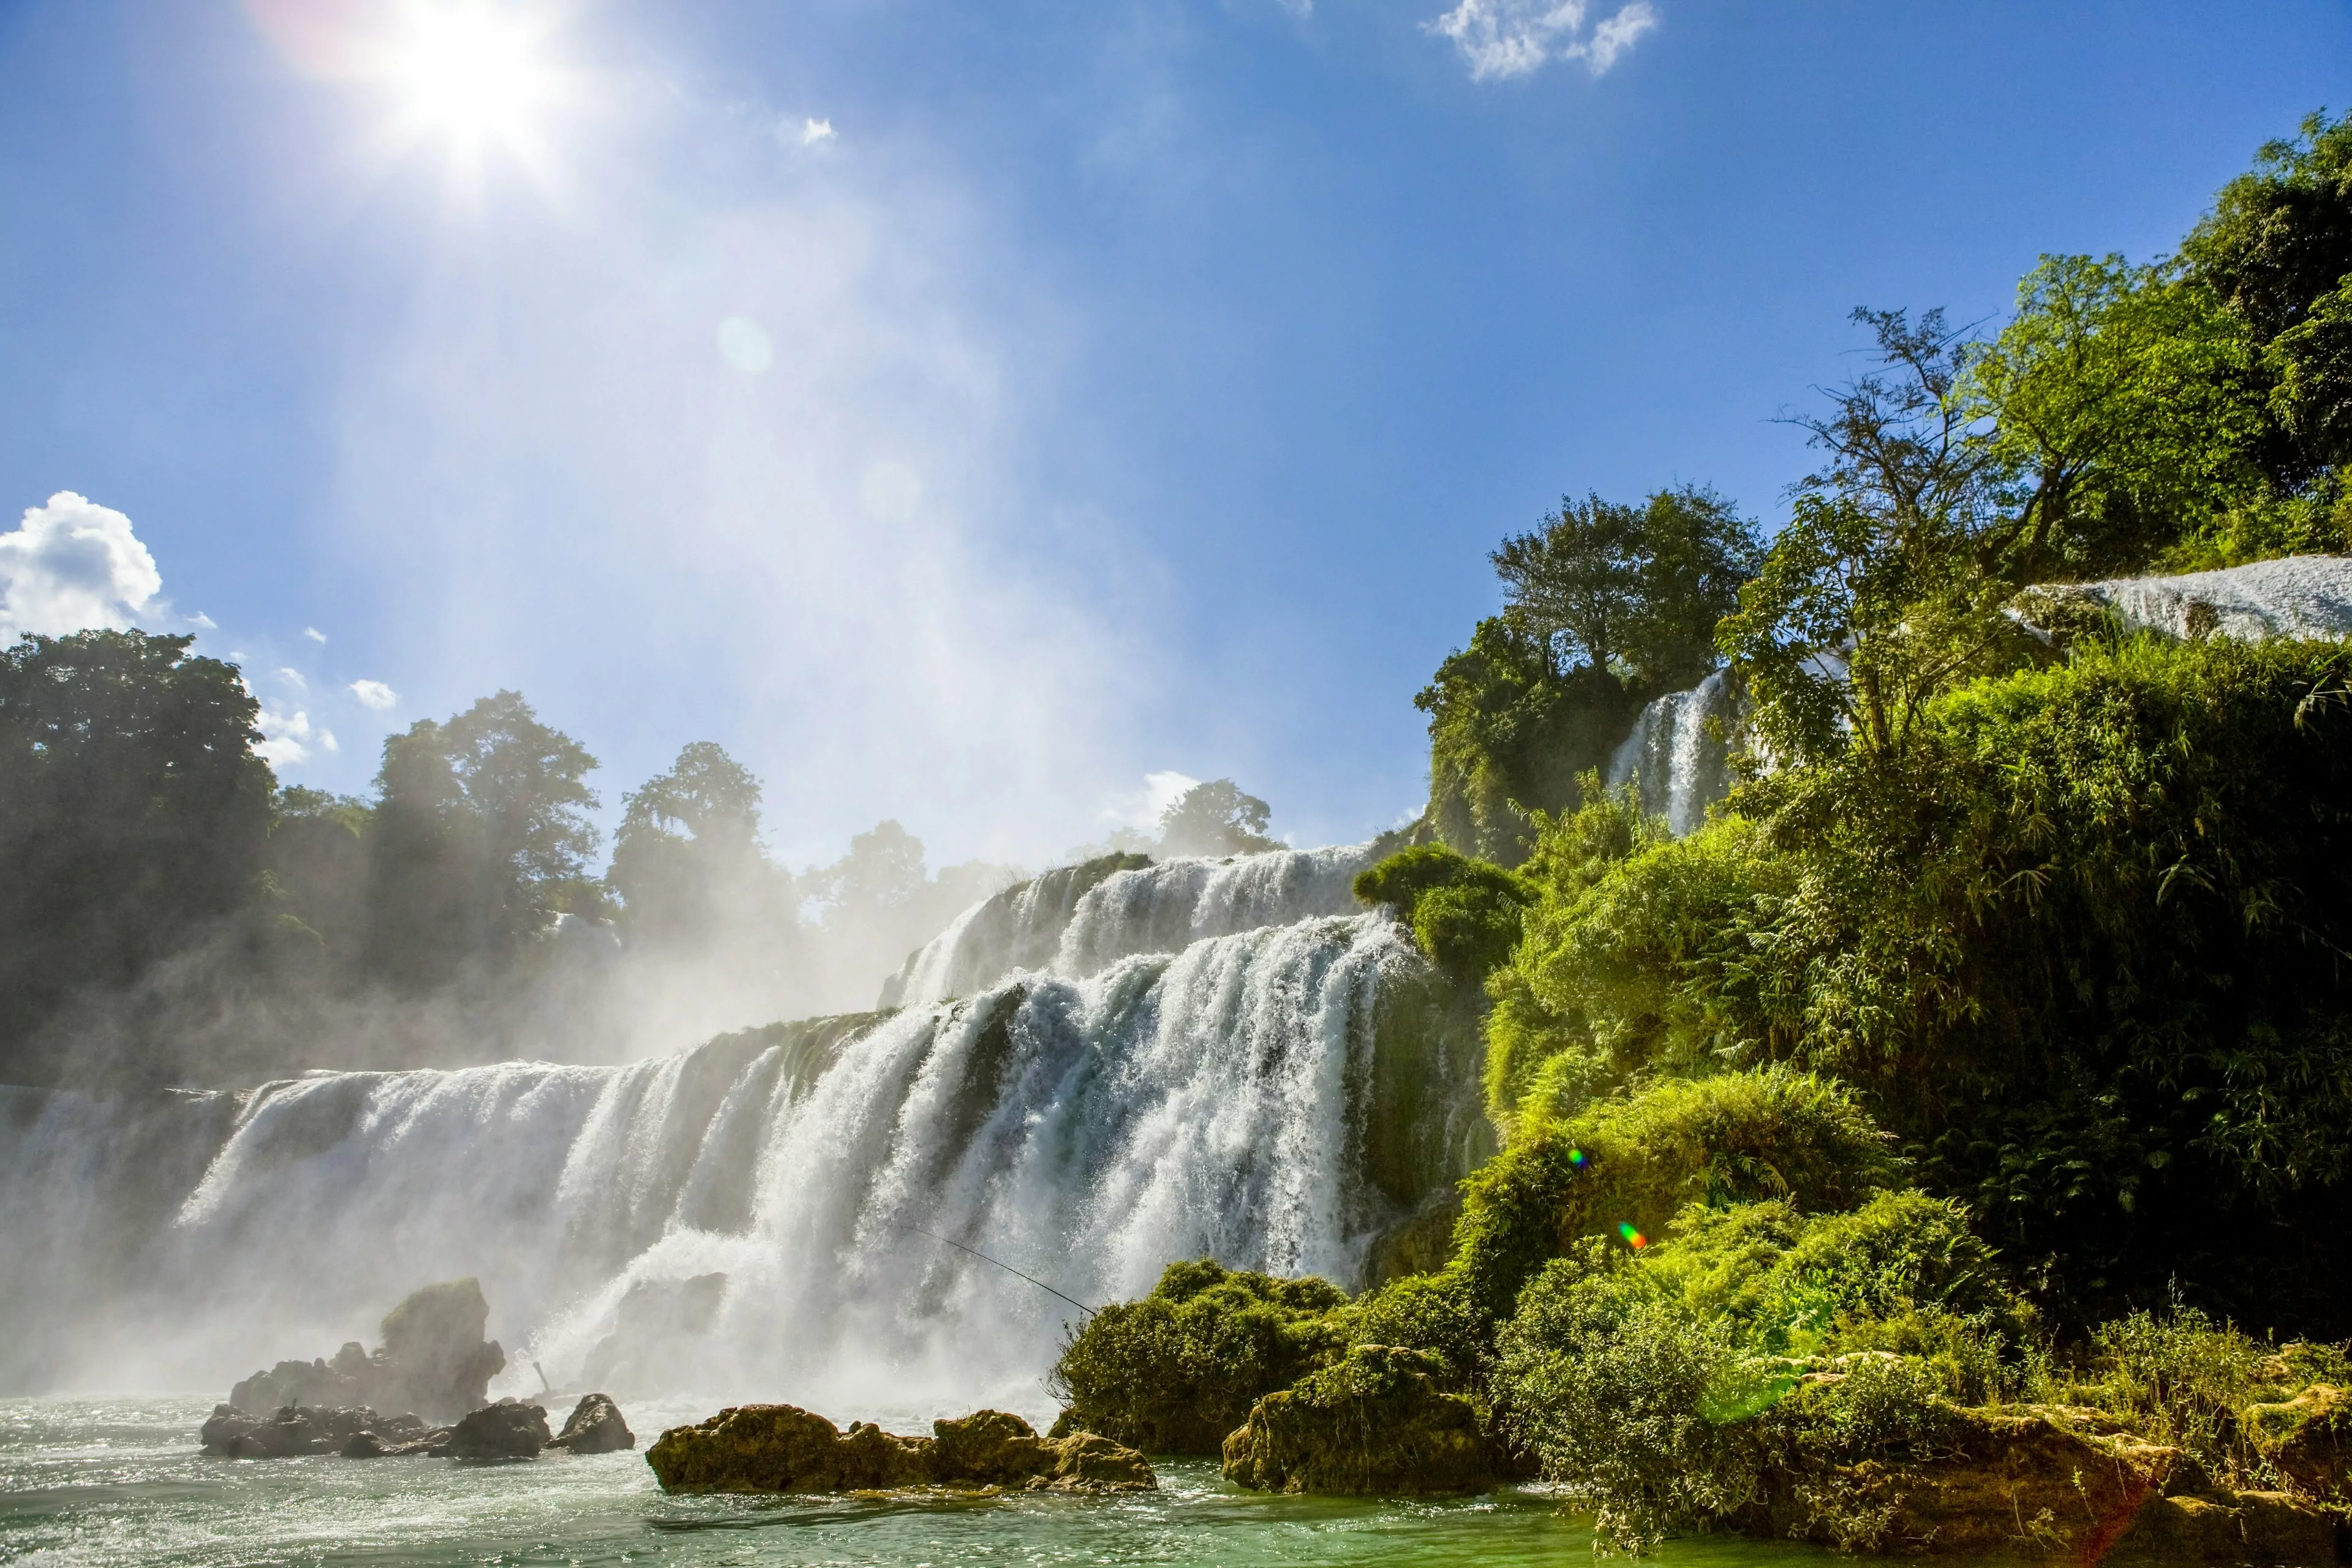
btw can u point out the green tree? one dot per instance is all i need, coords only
(688, 855)
(132, 819)
(479, 839)
(1215, 818)
(1633, 590)
(2124, 413)
(1875, 597)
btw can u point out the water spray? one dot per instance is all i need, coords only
(984, 1258)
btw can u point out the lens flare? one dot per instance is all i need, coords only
(1576, 1158)
(1633, 1238)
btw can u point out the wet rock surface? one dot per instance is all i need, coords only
(594, 1427)
(433, 1360)
(236, 1434)
(507, 1430)
(2045, 1483)
(783, 1448)
(1374, 1424)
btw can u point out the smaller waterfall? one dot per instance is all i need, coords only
(1078, 920)
(2297, 596)
(1677, 757)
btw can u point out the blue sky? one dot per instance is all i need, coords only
(960, 412)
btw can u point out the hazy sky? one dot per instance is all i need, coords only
(961, 410)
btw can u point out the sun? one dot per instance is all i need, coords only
(473, 73)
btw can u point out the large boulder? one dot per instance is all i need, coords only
(783, 1448)
(507, 1430)
(1374, 1424)
(594, 1427)
(433, 1360)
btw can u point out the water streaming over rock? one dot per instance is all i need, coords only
(748, 1217)
(2297, 596)
(1677, 756)
(1076, 920)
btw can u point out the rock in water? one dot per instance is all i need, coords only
(298, 1429)
(596, 1428)
(783, 1448)
(1373, 1425)
(433, 1360)
(507, 1430)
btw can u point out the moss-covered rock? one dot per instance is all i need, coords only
(783, 1448)
(1175, 1371)
(1375, 1423)
(2308, 1438)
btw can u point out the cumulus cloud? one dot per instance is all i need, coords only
(73, 565)
(375, 694)
(288, 737)
(314, 634)
(815, 130)
(1512, 37)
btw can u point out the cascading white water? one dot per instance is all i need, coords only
(2297, 596)
(1085, 1131)
(1678, 758)
(1076, 920)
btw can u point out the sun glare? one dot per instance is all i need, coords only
(474, 74)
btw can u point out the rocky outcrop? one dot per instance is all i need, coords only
(1374, 1424)
(594, 1427)
(783, 1448)
(2037, 1482)
(507, 1430)
(2308, 1438)
(232, 1433)
(433, 1360)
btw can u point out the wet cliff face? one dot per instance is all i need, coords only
(1280, 1097)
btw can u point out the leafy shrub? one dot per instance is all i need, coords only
(1175, 1371)
(1638, 1159)
(1631, 962)
(1464, 913)
(1435, 1313)
(1605, 1374)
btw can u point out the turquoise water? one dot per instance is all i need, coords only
(120, 1481)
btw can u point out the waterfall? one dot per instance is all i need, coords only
(2296, 596)
(760, 1200)
(1679, 761)
(1076, 920)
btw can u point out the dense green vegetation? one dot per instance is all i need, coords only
(1990, 1049)
(1606, 606)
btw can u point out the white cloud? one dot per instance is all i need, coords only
(204, 621)
(314, 634)
(327, 741)
(292, 678)
(375, 694)
(1512, 37)
(73, 565)
(286, 737)
(815, 130)
(1144, 807)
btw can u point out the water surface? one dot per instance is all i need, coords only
(120, 1481)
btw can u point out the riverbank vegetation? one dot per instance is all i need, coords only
(1976, 1081)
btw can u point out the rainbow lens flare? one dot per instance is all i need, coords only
(1633, 1238)
(1576, 1158)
